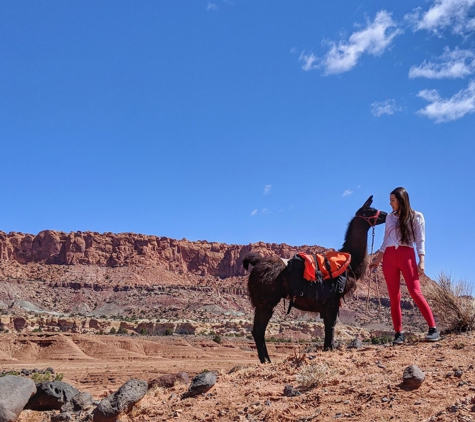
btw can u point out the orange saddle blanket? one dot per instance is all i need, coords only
(331, 264)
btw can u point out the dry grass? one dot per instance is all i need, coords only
(312, 374)
(452, 302)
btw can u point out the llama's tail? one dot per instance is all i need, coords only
(252, 258)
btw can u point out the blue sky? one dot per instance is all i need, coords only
(239, 121)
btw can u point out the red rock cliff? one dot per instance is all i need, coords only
(129, 249)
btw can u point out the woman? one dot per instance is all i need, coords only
(404, 228)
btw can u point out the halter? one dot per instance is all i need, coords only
(371, 220)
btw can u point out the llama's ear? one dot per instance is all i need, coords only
(368, 202)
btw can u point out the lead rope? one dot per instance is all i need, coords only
(375, 275)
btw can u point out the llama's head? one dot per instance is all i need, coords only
(371, 215)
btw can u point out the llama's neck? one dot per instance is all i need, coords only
(356, 243)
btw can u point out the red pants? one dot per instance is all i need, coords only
(403, 260)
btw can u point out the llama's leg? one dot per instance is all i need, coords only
(330, 313)
(261, 319)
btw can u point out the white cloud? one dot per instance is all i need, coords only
(347, 192)
(212, 6)
(265, 211)
(445, 110)
(451, 64)
(310, 61)
(384, 107)
(267, 189)
(342, 57)
(254, 212)
(454, 14)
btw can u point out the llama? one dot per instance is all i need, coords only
(269, 281)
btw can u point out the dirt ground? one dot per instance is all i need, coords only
(351, 384)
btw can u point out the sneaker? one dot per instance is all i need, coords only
(398, 339)
(433, 335)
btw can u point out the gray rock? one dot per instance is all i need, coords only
(356, 343)
(82, 401)
(14, 395)
(122, 401)
(413, 376)
(51, 395)
(290, 391)
(201, 384)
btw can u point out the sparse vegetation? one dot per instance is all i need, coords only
(47, 376)
(121, 330)
(217, 339)
(381, 340)
(452, 302)
(311, 375)
(168, 332)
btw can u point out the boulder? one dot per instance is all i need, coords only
(122, 401)
(15, 392)
(51, 395)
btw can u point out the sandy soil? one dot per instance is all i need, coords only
(354, 384)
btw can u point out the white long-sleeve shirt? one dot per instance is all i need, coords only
(392, 236)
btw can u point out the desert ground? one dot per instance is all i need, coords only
(363, 384)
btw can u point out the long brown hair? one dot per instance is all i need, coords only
(405, 214)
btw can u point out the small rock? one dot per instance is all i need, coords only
(356, 343)
(413, 376)
(201, 384)
(290, 391)
(458, 374)
(235, 369)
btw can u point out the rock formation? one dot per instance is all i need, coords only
(129, 249)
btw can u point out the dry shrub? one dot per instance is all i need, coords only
(452, 302)
(312, 374)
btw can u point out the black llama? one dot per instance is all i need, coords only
(269, 281)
